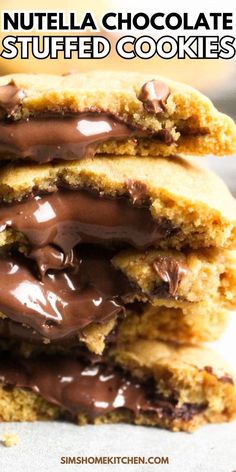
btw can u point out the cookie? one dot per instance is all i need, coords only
(47, 297)
(190, 323)
(166, 203)
(183, 323)
(46, 117)
(156, 384)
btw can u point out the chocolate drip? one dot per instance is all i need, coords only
(170, 271)
(49, 257)
(93, 389)
(154, 96)
(67, 218)
(64, 302)
(10, 99)
(78, 285)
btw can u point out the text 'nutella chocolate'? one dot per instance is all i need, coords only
(93, 389)
(64, 302)
(70, 217)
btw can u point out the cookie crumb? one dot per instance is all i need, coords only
(10, 439)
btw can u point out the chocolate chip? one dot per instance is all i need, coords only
(224, 378)
(208, 369)
(11, 97)
(170, 271)
(154, 96)
(165, 136)
(70, 72)
(137, 191)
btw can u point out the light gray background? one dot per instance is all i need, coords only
(211, 449)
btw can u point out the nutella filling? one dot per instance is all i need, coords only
(70, 217)
(66, 137)
(64, 285)
(63, 302)
(95, 389)
(60, 137)
(14, 331)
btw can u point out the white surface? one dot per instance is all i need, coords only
(211, 449)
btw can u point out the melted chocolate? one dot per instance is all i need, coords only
(154, 96)
(60, 137)
(10, 98)
(170, 271)
(67, 218)
(16, 331)
(64, 302)
(49, 257)
(78, 285)
(92, 389)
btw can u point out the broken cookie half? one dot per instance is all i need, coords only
(47, 117)
(156, 202)
(113, 268)
(146, 383)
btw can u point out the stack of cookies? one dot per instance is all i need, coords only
(117, 254)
